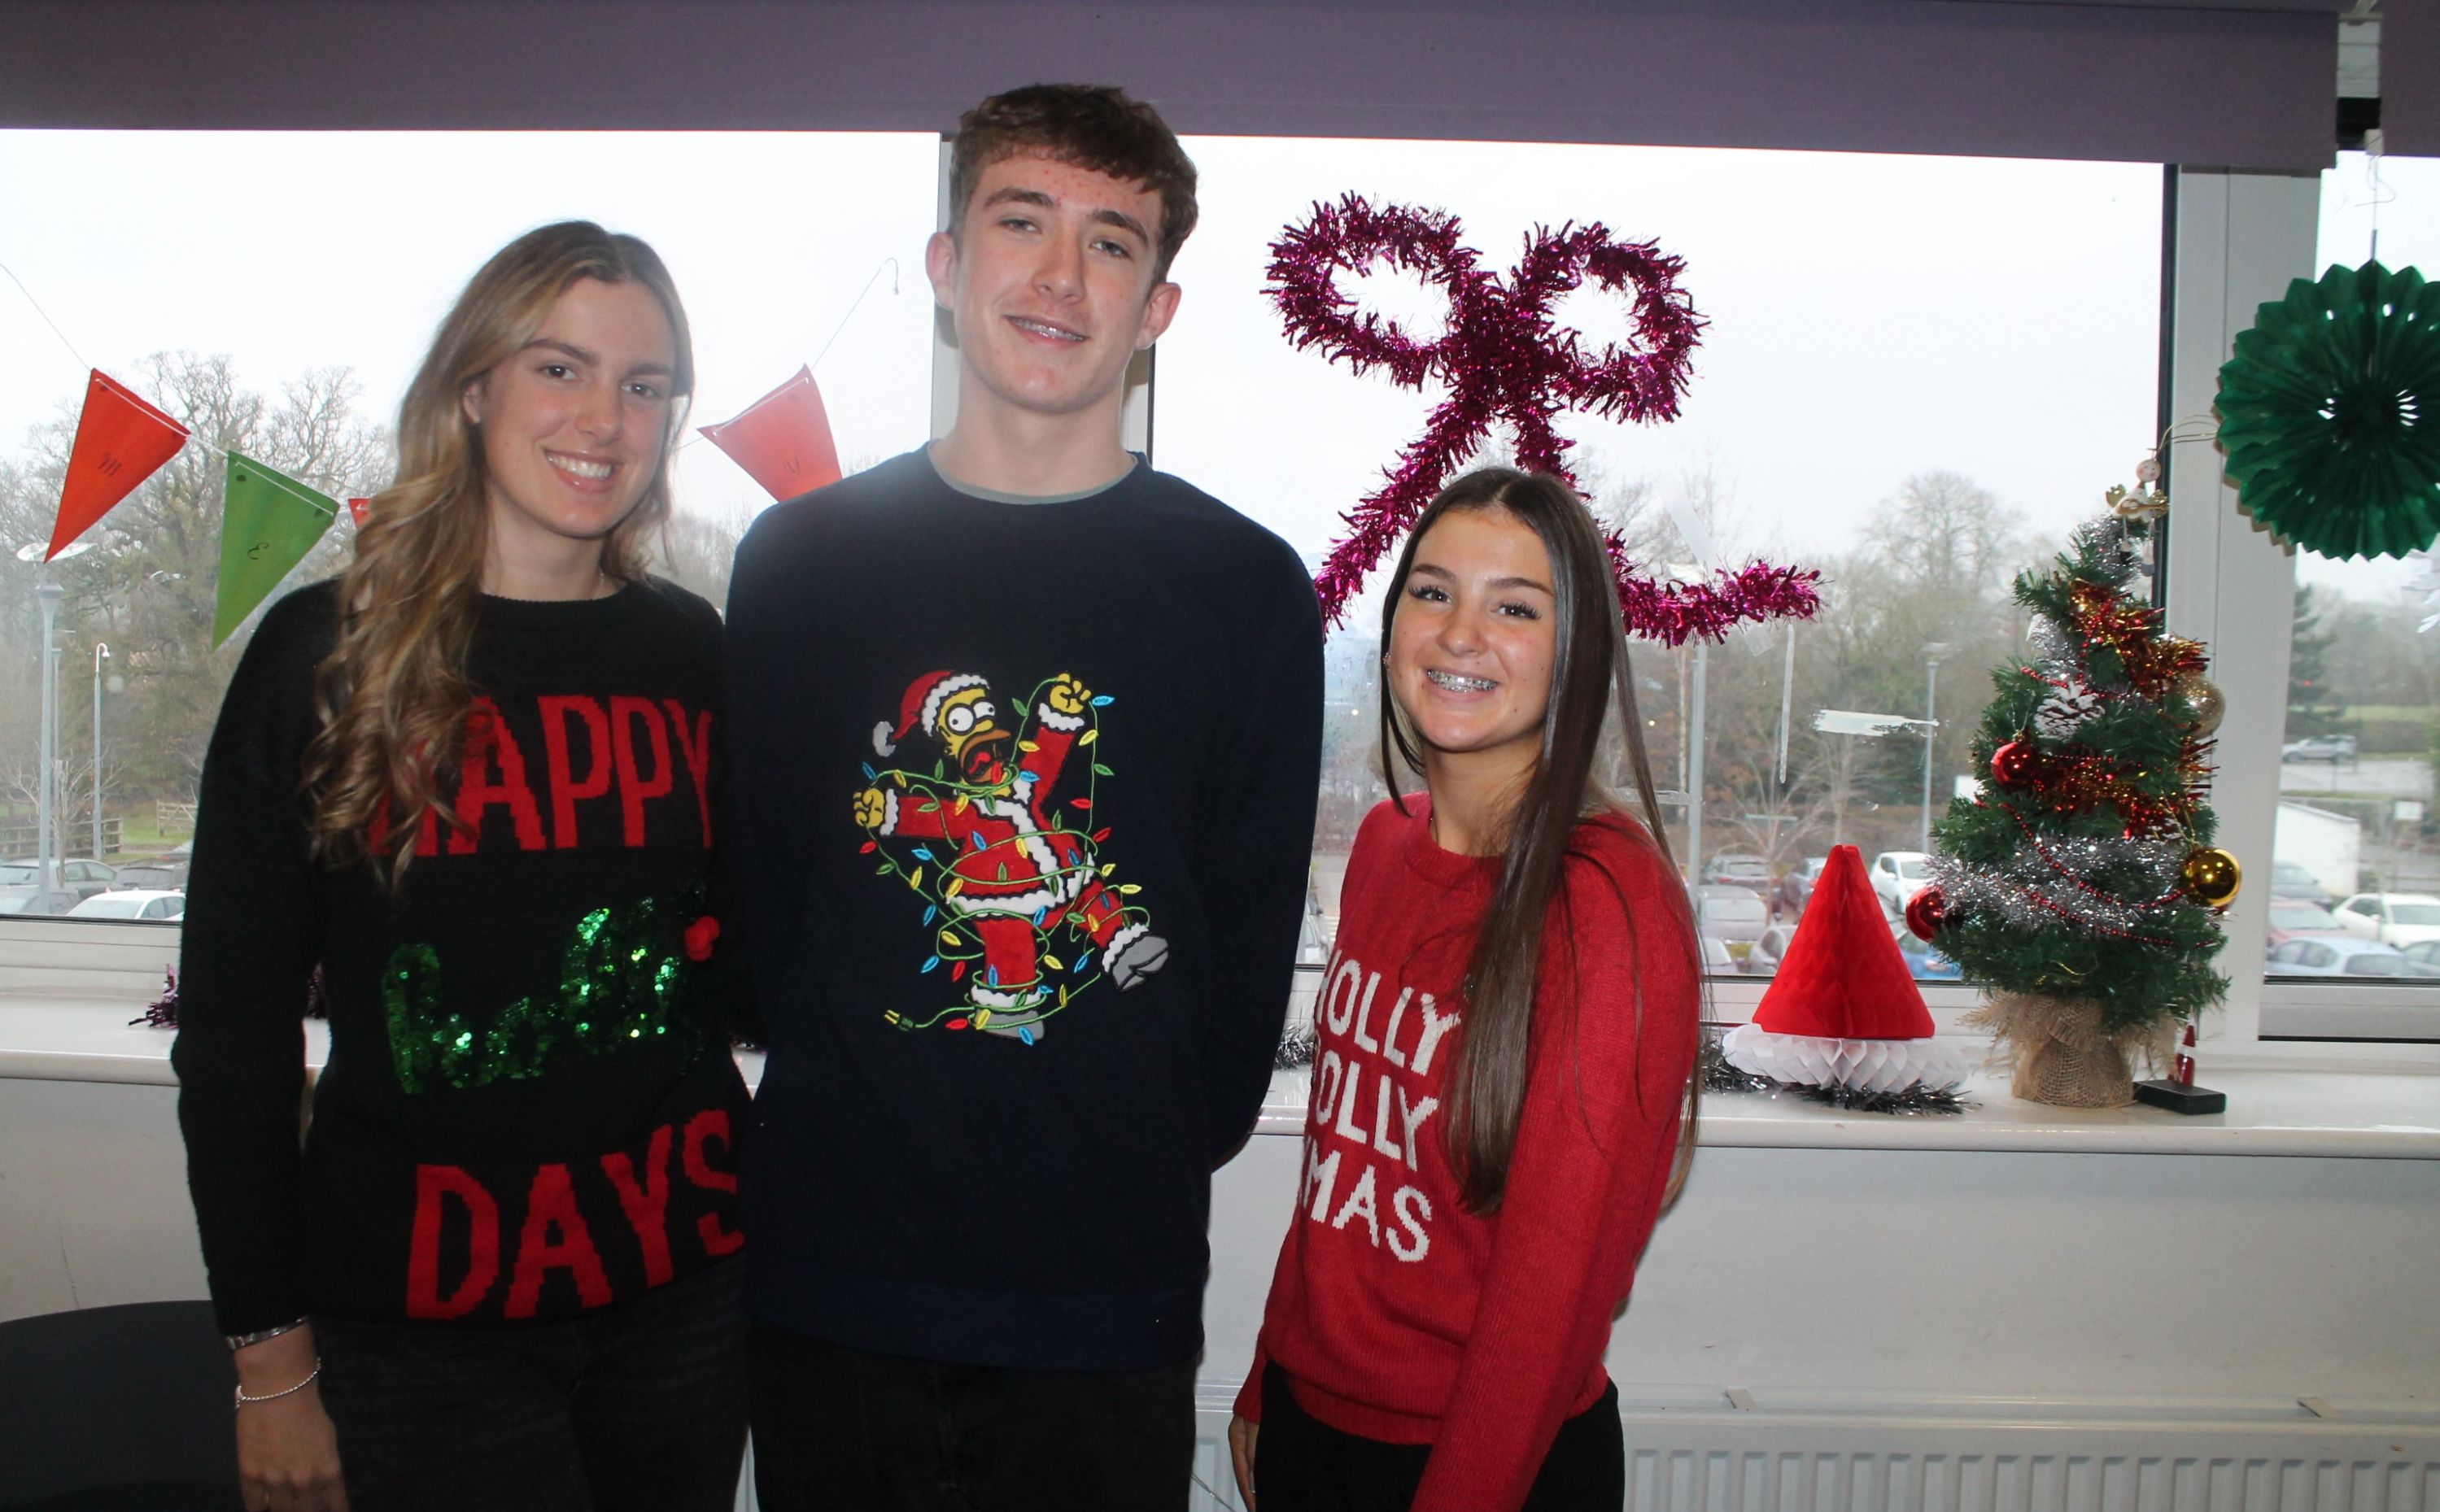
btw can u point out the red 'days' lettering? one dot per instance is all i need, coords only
(433, 1186)
(564, 791)
(646, 1206)
(710, 1123)
(551, 1205)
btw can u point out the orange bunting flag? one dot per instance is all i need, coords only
(783, 439)
(120, 440)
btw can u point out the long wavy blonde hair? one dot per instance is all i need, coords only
(394, 696)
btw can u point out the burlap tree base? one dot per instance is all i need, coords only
(2060, 1053)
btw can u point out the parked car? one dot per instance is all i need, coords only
(29, 899)
(2291, 878)
(1795, 890)
(1716, 959)
(1733, 915)
(2289, 920)
(2332, 748)
(2345, 956)
(137, 903)
(1924, 963)
(82, 878)
(1771, 949)
(2425, 951)
(1737, 869)
(1897, 876)
(2393, 919)
(164, 874)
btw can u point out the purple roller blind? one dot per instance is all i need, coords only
(2410, 77)
(2228, 84)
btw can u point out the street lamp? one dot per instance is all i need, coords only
(101, 654)
(1932, 653)
(46, 594)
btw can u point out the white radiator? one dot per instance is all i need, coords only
(1998, 1456)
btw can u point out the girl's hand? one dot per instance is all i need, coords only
(1241, 1456)
(287, 1451)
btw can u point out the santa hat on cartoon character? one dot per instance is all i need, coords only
(921, 705)
(1843, 1014)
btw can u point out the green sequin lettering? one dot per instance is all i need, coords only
(621, 982)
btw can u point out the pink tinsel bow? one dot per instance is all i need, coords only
(1504, 360)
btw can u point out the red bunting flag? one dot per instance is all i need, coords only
(783, 439)
(120, 440)
(357, 509)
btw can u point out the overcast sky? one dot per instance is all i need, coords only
(1871, 317)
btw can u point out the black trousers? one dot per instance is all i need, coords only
(841, 1430)
(640, 1408)
(1304, 1465)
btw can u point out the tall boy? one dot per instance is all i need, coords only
(1026, 738)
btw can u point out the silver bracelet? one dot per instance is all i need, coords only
(239, 1341)
(244, 1400)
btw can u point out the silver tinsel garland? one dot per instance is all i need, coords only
(2030, 893)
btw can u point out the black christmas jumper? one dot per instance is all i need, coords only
(529, 1109)
(1024, 819)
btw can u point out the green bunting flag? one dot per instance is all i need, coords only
(267, 525)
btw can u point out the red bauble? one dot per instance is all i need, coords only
(1926, 912)
(2012, 765)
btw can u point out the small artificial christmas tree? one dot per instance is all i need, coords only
(2081, 886)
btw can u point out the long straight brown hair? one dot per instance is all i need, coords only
(1589, 675)
(393, 695)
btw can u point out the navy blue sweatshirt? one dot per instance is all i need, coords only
(1024, 804)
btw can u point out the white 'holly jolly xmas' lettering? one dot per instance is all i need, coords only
(1372, 1101)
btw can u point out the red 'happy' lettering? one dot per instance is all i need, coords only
(696, 745)
(563, 791)
(632, 786)
(433, 1184)
(487, 743)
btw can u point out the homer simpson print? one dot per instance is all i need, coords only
(997, 841)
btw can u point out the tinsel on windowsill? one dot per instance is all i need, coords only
(1721, 1076)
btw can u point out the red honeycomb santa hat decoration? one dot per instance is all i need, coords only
(1844, 1013)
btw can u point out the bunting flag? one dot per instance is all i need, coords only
(120, 440)
(357, 509)
(267, 525)
(783, 439)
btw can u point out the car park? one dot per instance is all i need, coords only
(2289, 920)
(1897, 876)
(81, 876)
(1795, 889)
(29, 899)
(2345, 956)
(1733, 915)
(1924, 963)
(162, 874)
(2392, 919)
(2291, 878)
(2331, 748)
(135, 903)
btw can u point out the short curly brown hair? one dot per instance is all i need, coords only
(1091, 125)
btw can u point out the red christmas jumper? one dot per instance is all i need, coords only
(1395, 1312)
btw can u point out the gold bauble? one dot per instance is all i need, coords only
(2212, 877)
(2201, 701)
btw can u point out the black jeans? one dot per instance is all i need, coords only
(841, 1430)
(1304, 1465)
(640, 1407)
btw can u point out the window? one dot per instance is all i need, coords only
(1884, 334)
(293, 339)
(2354, 836)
